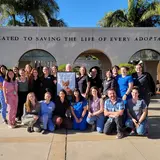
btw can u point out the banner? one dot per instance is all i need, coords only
(66, 81)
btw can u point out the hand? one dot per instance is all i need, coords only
(90, 114)
(6, 101)
(134, 121)
(124, 97)
(54, 81)
(77, 120)
(35, 117)
(80, 120)
(103, 96)
(137, 125)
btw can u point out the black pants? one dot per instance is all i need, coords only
(21, 100)
(112, 124)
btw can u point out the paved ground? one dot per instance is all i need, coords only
(17, 144)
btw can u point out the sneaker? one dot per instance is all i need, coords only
(120, 135)
(44, 132)
(93, 127)
(132, 133)
(11, 126)
(29, 129)
(5, 121)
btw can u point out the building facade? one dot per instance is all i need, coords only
(47, 46)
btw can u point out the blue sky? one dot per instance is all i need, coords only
(86, 13)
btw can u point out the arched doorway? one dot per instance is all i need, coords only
(150, 59)
(91, 58)
(37, 58)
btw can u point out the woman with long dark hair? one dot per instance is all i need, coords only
(11, 97)
(95, 108)
(2, 100)
(35, 83)
(79, 111)
(62, 115)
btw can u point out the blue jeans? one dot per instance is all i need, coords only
(3, 105)
(99, 120)
(141, 130)
(47, 123)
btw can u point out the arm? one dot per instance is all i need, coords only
(74, 115)
(101, 108)
(113, 114)
(4, 92)
(143, 116)
(88, 87)
(130, 86)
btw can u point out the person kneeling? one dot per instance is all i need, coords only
(79, 110)
(137, 112)
(113, 109)
(31, 113)
(47, 108)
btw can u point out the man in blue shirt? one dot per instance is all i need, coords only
(113, 109)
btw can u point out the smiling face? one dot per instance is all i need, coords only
(138, 68)
(123, 71)
(47, 96)
(11, 74)
(94, 92)
(61, 95)
(82, 71)
(108, 74)
(45, 71)
(112, 95)
(22, 73)
(35, 73)
(15, 70)
(28, 68)
(54, 69)
(3, 70)
(31, 97)
(135, 94)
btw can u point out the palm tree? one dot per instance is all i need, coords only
(140, 13)
(31, 12)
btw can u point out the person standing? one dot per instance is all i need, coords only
(95, 80)
(23, 89)
(11, 97)
(108, 83)
(125, 84)
(79, 111)
(95, 111)
(83, 81)
(114, 109)
(47, 84)
(145, 83)
(35, 83)
(2, 100)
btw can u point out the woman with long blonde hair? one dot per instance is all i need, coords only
(31, 113)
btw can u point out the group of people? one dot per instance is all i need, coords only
(110, 105)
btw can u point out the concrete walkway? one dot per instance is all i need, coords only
(17, 144)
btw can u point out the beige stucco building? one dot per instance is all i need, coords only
(48, 46)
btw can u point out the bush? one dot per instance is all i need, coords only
(62, 67)
(130, 66)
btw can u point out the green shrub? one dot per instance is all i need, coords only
(130, 66)
(62, 67)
